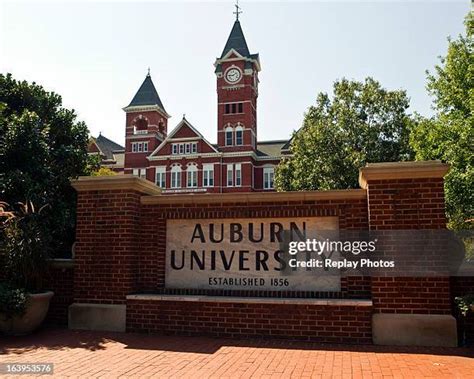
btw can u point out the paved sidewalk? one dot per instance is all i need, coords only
(94, 354)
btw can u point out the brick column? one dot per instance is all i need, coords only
(107, 236)
(407, 196)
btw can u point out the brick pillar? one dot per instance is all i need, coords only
(107, 236)
(407, 196)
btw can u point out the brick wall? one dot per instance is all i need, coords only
(106, 267)
(348, 324)
(122, 241)
(408, 204)
(60, 280)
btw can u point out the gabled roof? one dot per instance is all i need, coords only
(236, 41)
(108, 147)
(182, 124)
(147, 95)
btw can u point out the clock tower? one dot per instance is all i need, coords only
(237, 91)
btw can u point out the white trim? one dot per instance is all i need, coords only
(253, 300)
(145, 108)
(219, 154)
(174, 131)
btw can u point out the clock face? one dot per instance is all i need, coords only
(233, 75)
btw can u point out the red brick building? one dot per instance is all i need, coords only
(183, 160)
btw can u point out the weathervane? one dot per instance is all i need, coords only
(237, 10)
(148, 71)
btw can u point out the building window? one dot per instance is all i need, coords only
(140, 172)
(234, 108)
(176, 177)
(192, 176)
(230, 175)
(183, 148)
(139, 147)
(239, 135)
(238, 175)
(268, 174)
(229, 136)
(208, 175)
(161, 176)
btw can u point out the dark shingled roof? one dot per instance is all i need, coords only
(147, 95)
(236, 41)
(107, 146)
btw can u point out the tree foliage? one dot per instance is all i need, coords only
(361, 123)
(103, 171)
(449, 135)
(42, 147)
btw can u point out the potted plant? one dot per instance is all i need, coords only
(24, 302)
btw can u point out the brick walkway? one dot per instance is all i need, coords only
(92, 354)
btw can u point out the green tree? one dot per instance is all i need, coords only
(449, 135)
(42, 147)
(362, 123)
(103, 171)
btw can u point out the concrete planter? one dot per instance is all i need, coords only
(36, 309)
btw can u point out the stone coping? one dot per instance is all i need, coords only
(401, 170)
(62, 263)
(256, 197)
(115, 182)
(252, 300)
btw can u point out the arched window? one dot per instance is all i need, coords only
(229, 136)
(141, 125)
(161, 126)
(176, 177)
(239, 135)
(191, 176)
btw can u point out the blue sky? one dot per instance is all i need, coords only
(96, 54)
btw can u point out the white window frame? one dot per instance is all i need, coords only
(160, 176)
(194, 147)
(174, 149)
(239, 130)
(208, 175)
(176, 177)
(229, 131)
(230, 175)
(238, 174)
(268, 178)
(192, 176)
(140, 172)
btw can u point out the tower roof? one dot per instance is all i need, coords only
(147, 95)
(236, 41)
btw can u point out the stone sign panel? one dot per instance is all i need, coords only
(242, 254)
